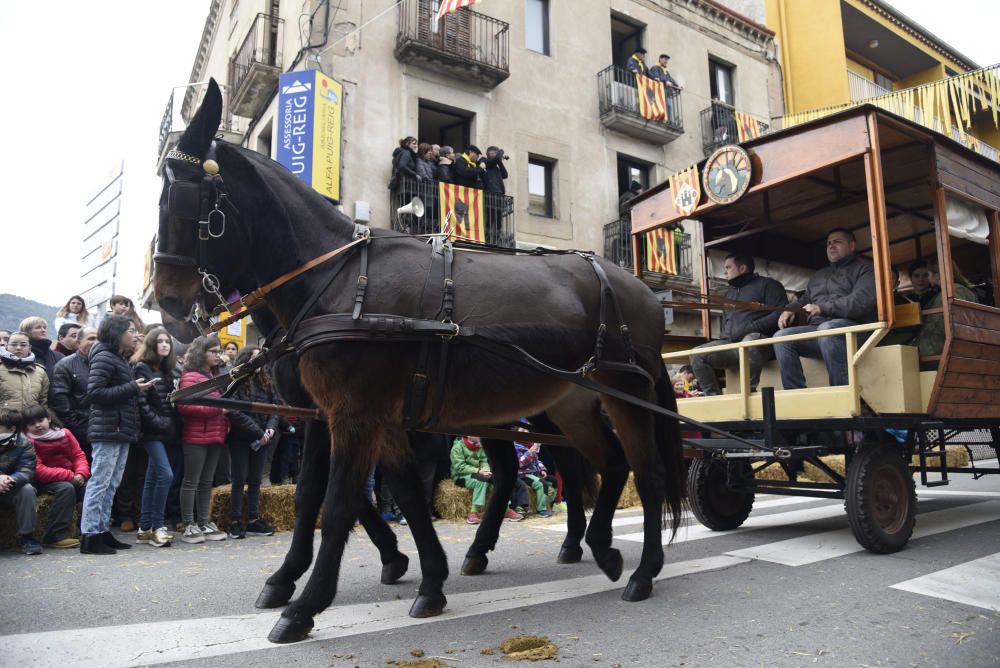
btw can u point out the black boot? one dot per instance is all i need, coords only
(94, 544)
(113, 542)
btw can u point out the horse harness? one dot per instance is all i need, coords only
(303, 333)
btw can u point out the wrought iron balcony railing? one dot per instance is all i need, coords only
(464, 43)
(254, 69)
(618, 98)
(720, 126)
(618, 248)
(498, 211)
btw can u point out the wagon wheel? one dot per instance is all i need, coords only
(714, 503)
(881, 498)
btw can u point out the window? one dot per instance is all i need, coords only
(883, 81)
(536, 25)
(632, 169)
(540, 199)
(721, 81)
(444, 125)
(626, 37)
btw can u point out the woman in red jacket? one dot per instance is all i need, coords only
(61, 470)
(203, 431)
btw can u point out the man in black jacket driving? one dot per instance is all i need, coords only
(742, 324)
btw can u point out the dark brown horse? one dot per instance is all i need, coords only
(550, 307)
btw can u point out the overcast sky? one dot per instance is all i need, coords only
(87, 84)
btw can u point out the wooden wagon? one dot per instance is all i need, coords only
(906, 192)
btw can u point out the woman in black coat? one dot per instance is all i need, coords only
(113, 396)
(155, 361)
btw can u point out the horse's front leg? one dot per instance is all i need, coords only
(309, 493)
(400, 472)
(568, 464)
(394, 562)
(349, 467)
(503, 464)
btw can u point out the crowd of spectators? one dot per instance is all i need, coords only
(88, 420)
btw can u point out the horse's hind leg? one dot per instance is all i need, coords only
(349, 467)
(635, 430)
(408, 493)
(309, 493)
(503, 464)
(394, 562)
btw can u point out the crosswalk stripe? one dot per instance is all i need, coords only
(831, 544)
(758, 505)
(945, 492)
(975, 583)
(187, 639)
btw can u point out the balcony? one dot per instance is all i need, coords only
(256, 66)
(181, 105)
(720, 126)
(619, 107)
(463, 44)
(498, 211)
(618, 249)
(862, 89)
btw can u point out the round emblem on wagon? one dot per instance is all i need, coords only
(727, 174)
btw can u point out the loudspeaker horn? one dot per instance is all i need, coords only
(414, 208)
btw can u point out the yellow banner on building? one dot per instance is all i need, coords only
(747, 127)
(462, 212)
(661, 251)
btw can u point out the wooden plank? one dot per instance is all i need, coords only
(968, 365)
(971, 381)
(950, 410)
(907, 315)
(977, 334)
(962, 174)
(975, 315)
(875, 185)
(973, 396)
(963, 348)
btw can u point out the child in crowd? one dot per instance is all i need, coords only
(17, 470)
(471, 469)
(533, 473)
(61, 470)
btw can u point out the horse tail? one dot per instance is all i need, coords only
(667, 433)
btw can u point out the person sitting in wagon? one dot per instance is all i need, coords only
(930, 338)
(839, 295)
(742, 324)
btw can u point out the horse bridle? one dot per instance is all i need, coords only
(205, 202)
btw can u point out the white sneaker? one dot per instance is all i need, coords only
(211, 532)
(192, 534)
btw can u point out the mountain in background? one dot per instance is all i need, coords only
(14, 309)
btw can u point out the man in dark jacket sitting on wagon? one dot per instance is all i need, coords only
(742, 324)
(840, 295)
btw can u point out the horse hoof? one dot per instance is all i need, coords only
(570, 555)
(637, 590)
(395, 569)
(274, 596)
(475, 565)
(612, 564)
(428, 605)
(287, 630)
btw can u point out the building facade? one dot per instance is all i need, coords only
(543, 79)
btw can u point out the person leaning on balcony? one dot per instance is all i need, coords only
(840, 295)
(404, 161)
(426, 162)
(742, 324)
(659, 73)
(445, 171)
(468, 171)
(637, 62)
(625, 201)
(494, 170)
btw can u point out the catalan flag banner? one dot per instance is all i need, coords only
(685, 190)
(747, 127)
(661, 252)
(462, 212)
(652, 98)
(448, 6)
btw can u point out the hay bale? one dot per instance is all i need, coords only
(452, 502)
(630, 497)
(277, 506)
(43, 506)
(773, 472)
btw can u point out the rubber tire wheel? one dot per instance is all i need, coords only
(881, 498)
(715, 505)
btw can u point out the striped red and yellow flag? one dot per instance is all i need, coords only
(661, 252)
(448, 6)
(652, 98)
(685, 190)
(747, 127)
(462, 212)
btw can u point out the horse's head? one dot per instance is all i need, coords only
(200, 246)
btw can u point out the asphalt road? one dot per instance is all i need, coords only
(790, 588)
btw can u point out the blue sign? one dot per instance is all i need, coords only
(309, 119)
